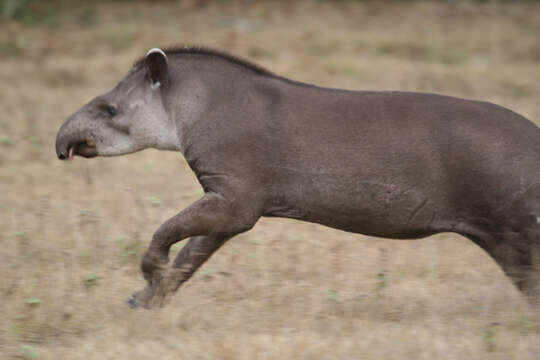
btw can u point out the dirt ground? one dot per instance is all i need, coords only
(71, 234)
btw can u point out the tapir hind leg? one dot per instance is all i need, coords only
(517, 259)
(515, 244)
(523, 237)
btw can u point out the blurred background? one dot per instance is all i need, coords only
(71, 234)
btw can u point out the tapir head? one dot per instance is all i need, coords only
(129, 118)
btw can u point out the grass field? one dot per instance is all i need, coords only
(71, 234)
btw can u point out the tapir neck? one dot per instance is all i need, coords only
(169, 138)
(201, 95)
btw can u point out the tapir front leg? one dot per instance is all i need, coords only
(191, 257)
(213, 219)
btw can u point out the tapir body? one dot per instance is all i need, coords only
(390, 164)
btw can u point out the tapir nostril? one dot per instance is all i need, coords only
(62, 155)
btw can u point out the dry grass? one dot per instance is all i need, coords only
(71, 234)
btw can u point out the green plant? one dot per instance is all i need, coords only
(178, 245)
(34, 301)
(154, 200)
(90, 280)
(489, 338)
(132, 249)
(381, 283)
(9, 9)
(207, 272)
(50, 12)
(27, 352)
(332, 294)
(6, 140)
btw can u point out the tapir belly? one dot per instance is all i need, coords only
(392, 208)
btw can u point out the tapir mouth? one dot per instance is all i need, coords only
(85, 148)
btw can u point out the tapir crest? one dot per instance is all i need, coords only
(399, 165)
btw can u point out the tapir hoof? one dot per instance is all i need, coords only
(131, 301)
(141, 299)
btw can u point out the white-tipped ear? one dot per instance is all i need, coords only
(156, 67)
(158, 50)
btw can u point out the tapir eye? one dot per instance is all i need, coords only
(110, 110)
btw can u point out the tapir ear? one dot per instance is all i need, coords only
(156, 67)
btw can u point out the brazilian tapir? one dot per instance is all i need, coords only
(399, 165)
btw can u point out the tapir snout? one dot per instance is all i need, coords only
(74, 138)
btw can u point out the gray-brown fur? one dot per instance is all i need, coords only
(390, 164)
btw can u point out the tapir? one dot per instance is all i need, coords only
(390, 164)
